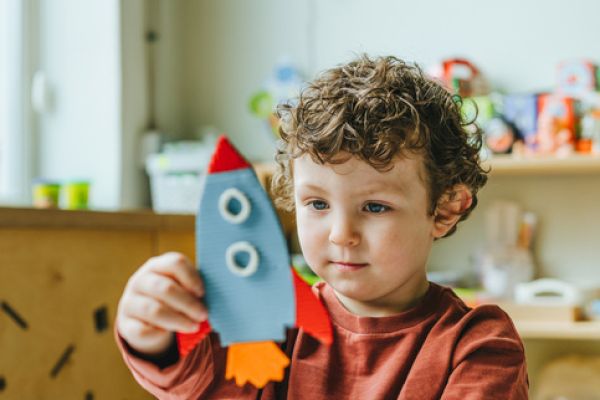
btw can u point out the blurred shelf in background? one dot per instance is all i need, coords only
(584, 330)
(509, 165)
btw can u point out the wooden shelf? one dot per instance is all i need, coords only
(542, 322)
(544, 165)
(132, 220)
(581, 330)
(510, 165)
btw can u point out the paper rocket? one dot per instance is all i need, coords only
(252, 293)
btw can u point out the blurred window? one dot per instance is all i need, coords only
(13, 182)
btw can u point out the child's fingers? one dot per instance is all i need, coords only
(139, 329)
(153, 312)
(143, 336)
(170, 293)
(180, 268)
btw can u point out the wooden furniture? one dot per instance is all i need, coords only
(61, 276)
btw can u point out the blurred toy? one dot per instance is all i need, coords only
(479, 109)
(520, 111)
(283, 85)
(548, 291)
(252, 294)
(589, 140)
(576, 77)
(556, 125)
(460, 76)
(302, 268)
(499, 136)
(507, 258)
(75, 195)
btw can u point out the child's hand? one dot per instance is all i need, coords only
(161, 297)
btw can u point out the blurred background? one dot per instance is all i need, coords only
(109, 109)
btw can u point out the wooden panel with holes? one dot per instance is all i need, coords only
(61, 276)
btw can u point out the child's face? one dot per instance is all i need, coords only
(366, 233)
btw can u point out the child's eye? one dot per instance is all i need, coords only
(318, 205)
(376, 208)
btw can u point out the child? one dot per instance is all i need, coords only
(377, 164)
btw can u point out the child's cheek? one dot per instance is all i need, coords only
(312, 241)
(303, 229)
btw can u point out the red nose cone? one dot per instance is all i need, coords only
(226, 157)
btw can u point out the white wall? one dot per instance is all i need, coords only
(80, 136)
(133, 117)
(229, 49)
(517, 43)
(230, 46)
(171, 62)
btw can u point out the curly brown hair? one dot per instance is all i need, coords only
(377, 109)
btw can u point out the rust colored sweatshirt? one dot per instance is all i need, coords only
(440, 349)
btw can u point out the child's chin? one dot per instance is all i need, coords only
(354, 292)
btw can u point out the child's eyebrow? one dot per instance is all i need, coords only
(388, 188)
(310, 186)
(368, 190)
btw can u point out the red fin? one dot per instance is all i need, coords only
(187, 341)
(226, 157)
(310, 313)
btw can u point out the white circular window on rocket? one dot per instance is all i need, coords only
(242, 259)
(234, 206)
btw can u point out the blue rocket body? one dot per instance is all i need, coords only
(244, 305)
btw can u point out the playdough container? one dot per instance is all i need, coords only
(75, 195)
(45, 193)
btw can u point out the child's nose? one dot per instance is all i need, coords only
(344, 232)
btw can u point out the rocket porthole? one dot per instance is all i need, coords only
(232, 259)
(234, 206)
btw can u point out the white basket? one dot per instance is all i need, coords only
(175, 182)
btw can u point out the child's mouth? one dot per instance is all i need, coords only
(348, 266)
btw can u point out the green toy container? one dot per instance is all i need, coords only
(75, 195)
(45, 193)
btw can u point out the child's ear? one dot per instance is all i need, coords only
(450, 207)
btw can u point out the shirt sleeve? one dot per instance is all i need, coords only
(489, 359)
(184, 377)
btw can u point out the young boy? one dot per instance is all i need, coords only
(377, 164)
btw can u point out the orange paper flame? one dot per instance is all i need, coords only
(256, 362)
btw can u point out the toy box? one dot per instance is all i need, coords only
(175, 180)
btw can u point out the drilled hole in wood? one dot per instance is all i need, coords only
(2, 383)
(101, 319)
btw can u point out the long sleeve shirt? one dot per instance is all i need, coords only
(440, 349)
